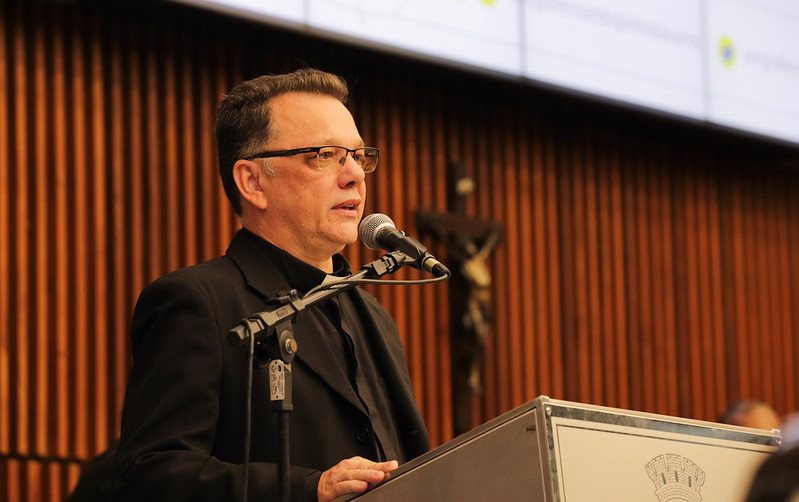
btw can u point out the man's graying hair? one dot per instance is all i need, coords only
(243, 123)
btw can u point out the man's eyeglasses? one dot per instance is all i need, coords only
(330, 157)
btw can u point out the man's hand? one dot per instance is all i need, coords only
(353, 475)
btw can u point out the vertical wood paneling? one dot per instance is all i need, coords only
(717, 379)
(645, 264)
(5, 252)
(620, 327)
(791, 320)
(120, 185)
(185, 156)
(785, 346)
(598, 366)
(655, 188)
(525, 322)
(554, 273)
(670, 344)
(605, 280)
(691, 305)
(98, 222)
(39, 209)
(612, 260)
(437, 170)
(642, 240)
(491, 167)
(80, 196)
(37, 480)
(21, 362)
(63, 409)
(513, 267)
(740, 289)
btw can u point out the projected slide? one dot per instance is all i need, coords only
(754, 66)
(482, 33)
(288, 10)
(646, 53)
(728, 62)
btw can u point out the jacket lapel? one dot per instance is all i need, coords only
(390, 355)
(267, 282)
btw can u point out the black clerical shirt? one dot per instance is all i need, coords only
(349, 345)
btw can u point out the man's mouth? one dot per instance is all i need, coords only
(349, 205)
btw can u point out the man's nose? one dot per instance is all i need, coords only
(351, 171)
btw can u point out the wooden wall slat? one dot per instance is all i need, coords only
(439, 327)
(154, 236)
(656, 189)
(775, 288)
(98, 173)
(169, 167)
(671, 347)
(490, 167)
(645, 264)
(787, 344)
(605, 278)
(37, 480)
(741, 288)
(80, 197)
(120, 185)
(58, 158)
(184, 156)
(513, 267)
(792, 277)
(9, 473)
(575, 306)
(620, 396)
(691, 330)
(5, 255)
(38, 218)
(759, 298)
(525, 322)
(21, 315)
(590, 291)
(715, 308)
(551, 273)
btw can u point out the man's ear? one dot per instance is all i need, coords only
(250, 178)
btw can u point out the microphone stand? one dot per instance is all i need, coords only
(275, 345)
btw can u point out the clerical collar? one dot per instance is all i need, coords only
(299, 274)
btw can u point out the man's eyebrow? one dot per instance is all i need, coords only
(336, 142)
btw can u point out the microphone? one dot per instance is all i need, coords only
(377, 231)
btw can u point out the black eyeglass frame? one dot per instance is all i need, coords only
(317, 150)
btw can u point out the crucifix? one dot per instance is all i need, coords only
(469, 243)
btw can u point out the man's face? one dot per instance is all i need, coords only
(312, 213)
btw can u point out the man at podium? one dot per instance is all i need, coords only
(294, 166)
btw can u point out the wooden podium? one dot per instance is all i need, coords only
(558, 451)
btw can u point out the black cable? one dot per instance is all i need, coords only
(284, 455)
(346, 281)
(248, 422)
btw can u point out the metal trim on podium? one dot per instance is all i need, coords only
(558, 451)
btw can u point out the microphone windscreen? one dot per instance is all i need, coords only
(370, 226)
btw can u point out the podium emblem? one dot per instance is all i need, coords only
(676, 478)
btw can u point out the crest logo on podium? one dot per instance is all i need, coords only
(676, 478)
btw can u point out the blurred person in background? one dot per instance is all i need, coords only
(751, 413)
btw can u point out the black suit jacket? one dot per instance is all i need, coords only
(183, 422)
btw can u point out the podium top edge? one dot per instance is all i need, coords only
(574, 409)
